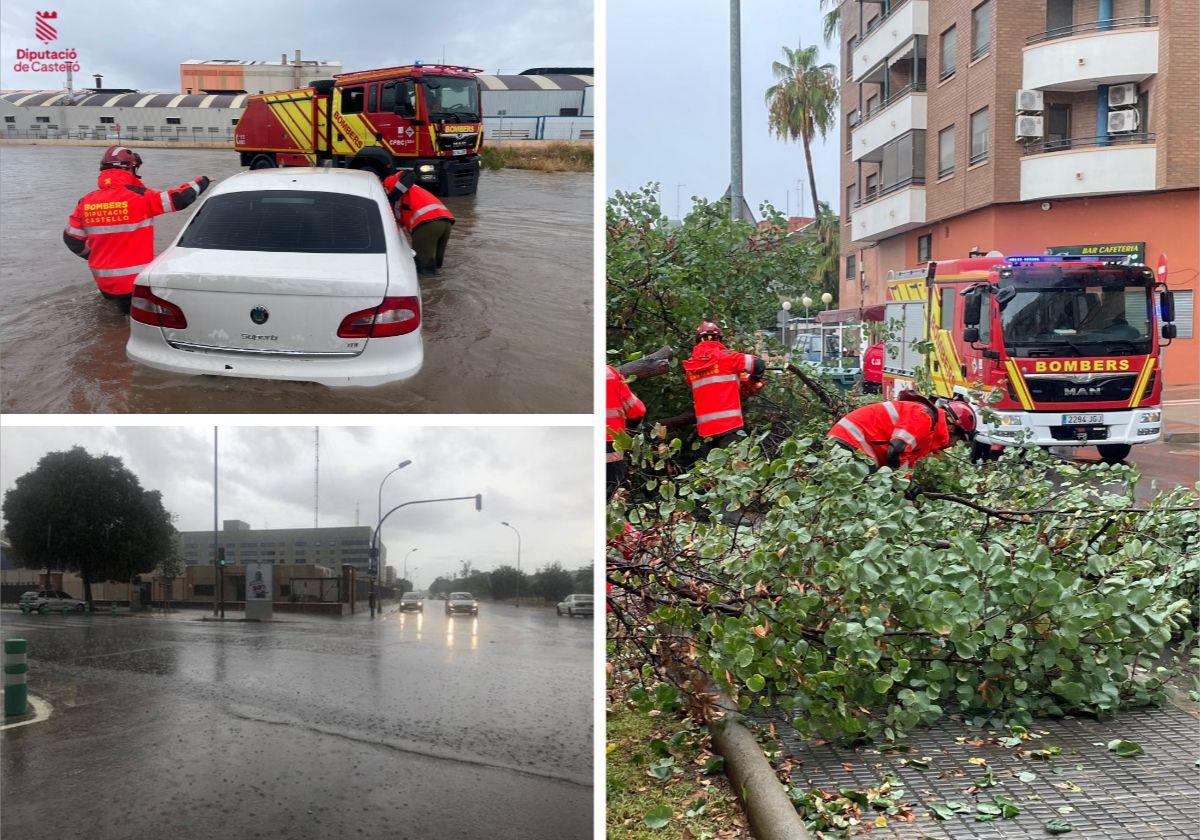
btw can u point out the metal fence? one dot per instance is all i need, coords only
(206, 136)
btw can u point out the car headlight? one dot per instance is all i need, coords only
(1150, 416)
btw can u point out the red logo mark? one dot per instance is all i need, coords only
(43, 29)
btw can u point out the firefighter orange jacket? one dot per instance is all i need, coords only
(713, 371)
(872, 428)
(621, 405)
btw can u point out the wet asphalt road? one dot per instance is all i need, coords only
(507, 326)
(413, 727)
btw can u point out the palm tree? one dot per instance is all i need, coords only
(802, 104)
(826, 229)
(833, 17)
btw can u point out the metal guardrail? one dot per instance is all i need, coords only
(191, 137)
(896, 96)
(1043, 146)
(914, 181)
(875, 24)
(1139, 22)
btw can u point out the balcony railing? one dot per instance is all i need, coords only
(914, 181)
(875, 24)
(896, 96)
(1066, 143)
(1092, 26)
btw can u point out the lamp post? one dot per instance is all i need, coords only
(410, 551)
(678, 211)
(378, 516)
(518, 533)
(826, 299)
(807, 301)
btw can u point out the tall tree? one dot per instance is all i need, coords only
(826, 230)
(87, 514)
(802, 104)
(832, 19)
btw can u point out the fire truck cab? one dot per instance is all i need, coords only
(427, 118)
(1066, 351)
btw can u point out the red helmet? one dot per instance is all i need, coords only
(708, 328)
(962, 415)
(119, 157)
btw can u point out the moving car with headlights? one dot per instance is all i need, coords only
(50, 600)
(575, 605)
(411, 602)
(462, 603)
(289, 274)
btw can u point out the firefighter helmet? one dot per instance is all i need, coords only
(119, 157)
(708, 329)
(960, 413)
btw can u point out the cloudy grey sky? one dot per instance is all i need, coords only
(668, 100)
(538, 479)
(140, 45)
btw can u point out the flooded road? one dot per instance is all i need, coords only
(507, 324)
(413, 726)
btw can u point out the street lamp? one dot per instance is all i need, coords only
(378, 516)
(518, 533)
(410, 551)
(807, 301)
(826, 299)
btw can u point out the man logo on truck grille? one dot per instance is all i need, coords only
(259, 315)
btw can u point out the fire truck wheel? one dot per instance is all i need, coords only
(263, 162)
(1114, 453)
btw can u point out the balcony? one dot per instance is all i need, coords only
(903, 111)
(1079, 166)
(892, 210)
(888, 34)
(1085, 55)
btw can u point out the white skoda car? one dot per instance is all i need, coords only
(293, 274)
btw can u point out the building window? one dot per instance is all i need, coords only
(947, 322)
(981, 29)
(46, 119)
(851, 195)
(202, 589)
(1185, 313)
(233, 122)
(850, 268)
(979, 136)
(352, 100)
(107, 120)
(924, 247)
(568, 112)
(949, 53)
(946, 151)
(10, 119)
(1058, 127)
(872, 186)
(872, 105)
(172, 120)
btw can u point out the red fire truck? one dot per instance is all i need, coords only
(1071, 344)
(426, 118)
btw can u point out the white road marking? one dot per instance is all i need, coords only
(41, 711)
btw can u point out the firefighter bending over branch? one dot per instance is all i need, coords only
(426, 219)
(901, 432)
(623, 410)
(716, 375)
(113, 227)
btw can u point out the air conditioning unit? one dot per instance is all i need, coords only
(1029, 100)
(1121, 96)
(1123, 121)
(1028, 126)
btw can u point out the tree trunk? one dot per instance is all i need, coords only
(87, 587)
(655, 364)
(812, 179)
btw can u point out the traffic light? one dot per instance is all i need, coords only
(221, 556)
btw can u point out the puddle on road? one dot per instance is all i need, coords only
(507, 327)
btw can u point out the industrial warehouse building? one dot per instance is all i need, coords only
(329, 547)
(546, 105)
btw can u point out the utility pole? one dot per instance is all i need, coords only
(215, 533)
(316, 476)
(678, 211)
(735, 109)
(518, 533)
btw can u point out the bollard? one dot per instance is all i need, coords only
(16, 692)
(113, 611)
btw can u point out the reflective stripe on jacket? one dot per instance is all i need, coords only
(419, 206)
(621, 405)
(872, 428)
(115, 224)
(714, 372)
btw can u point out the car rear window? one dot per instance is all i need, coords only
(287, 220)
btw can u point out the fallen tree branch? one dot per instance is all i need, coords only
(647, 367)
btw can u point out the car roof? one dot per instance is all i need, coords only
(346, 181)
(468, 594)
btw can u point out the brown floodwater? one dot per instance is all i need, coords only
(507, 324)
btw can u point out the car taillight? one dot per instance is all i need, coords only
(395, 316)
(148, 308)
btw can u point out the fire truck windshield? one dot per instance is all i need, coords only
(452, 98)
(1105, 312)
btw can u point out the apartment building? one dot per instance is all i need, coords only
(1023, 126)
(329, 547)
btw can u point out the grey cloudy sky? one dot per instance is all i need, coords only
(140, 45)
(668, 100)
(538, 479)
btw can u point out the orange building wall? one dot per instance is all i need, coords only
(200, 77)
(1168, 222)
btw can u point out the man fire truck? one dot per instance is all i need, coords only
(426, 118)
(1071, 345)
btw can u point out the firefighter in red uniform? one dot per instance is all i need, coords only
(623, 411)
(716, 375)
(901, 432)
(426, 219)
(113, 227)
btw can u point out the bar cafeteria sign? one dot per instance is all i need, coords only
(1136, 251)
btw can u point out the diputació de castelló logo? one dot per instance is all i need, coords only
(46, 61)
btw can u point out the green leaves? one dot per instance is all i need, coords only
(658, 817)
(756, 682)
(1125, 749)
(1058, 826)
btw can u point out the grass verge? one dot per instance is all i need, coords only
(656, 766)
(542, 156)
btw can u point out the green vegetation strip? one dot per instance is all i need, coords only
(540, 156)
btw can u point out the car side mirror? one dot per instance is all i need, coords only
(971, 335)
(1169, 331)
(1166, 306)
(971, 309)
